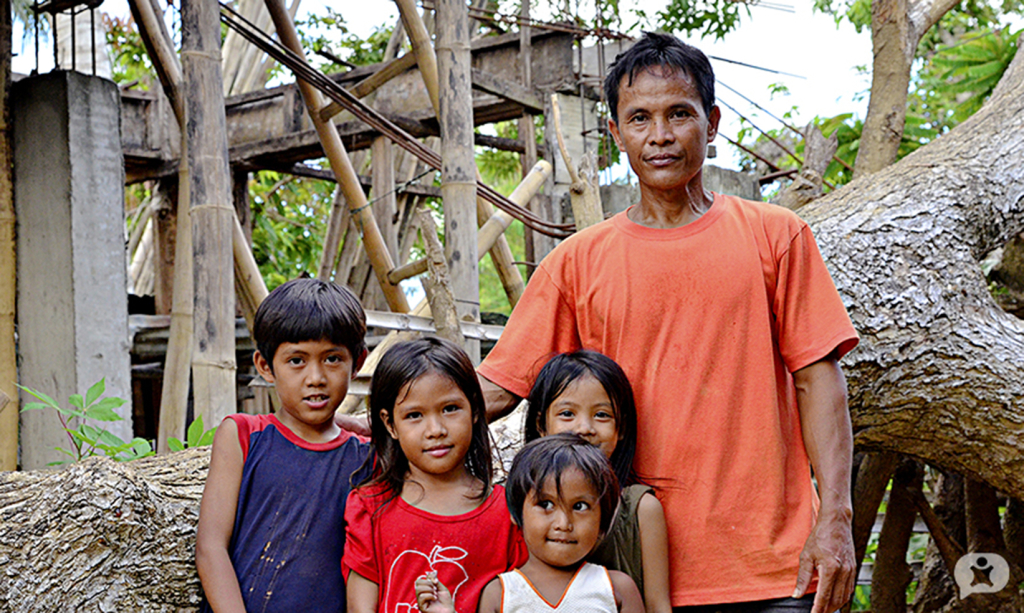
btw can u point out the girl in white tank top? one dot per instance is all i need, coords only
(562, 492)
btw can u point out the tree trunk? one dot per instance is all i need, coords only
(892, 574)
(102, 535)
(896, 28)
(938, 373)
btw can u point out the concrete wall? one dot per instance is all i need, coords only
(72, 297)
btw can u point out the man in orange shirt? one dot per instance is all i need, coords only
(722, 313)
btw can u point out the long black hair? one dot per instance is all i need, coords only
(565, 369)
(401, 366)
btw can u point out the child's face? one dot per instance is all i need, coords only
(584, 409)
(433, 423)
(561, 531)
(312, 379)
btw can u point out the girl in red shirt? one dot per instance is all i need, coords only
(430, 506)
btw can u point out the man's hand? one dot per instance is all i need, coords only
(355, 425)
(829, 551)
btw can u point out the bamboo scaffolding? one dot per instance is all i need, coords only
(8, 270)
(501, 254)
(341, 165)
(583, 193)
(337, 224)
(494, 227)
(212, 213)
(372, 83)
(437, 284)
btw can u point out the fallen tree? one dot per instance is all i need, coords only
(939, 373)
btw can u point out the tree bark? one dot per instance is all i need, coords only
(938, 373)
(896, 28)
(936, 586)
(102, 535)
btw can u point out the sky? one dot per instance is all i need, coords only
(818, 58)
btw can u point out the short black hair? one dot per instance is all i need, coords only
(565, 369)
(660, 50)
(309, 310)
(548, 458)
(404, 364)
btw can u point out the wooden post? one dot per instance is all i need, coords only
(382, 159)
(458, 163)
(212, 213)
(166, 218)
(341, 165)
(8, 274)
(527, 131)
(437, 284)
(337, 223)
(583, 193)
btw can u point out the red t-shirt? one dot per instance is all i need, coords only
(392, 543)
(708, 320)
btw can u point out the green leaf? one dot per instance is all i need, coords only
(207, 438)
(76, 400)
(175, 445)
(95, 391)
(110, 403)
(50, 402)
(110, 439)
(102, 413)
(195, 432)
(32, 406)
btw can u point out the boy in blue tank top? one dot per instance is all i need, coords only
(271, 522)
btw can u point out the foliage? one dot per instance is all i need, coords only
(708, 17)
(327, 30)
(196, 436)
(289, 222)
(87, 441)
(129, 59)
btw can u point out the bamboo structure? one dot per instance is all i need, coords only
(341, 165)
(337, 224)
(212, 213)
(501, 254)
(527, 131)
(8, 271)
(437, 284)
(493, 229)
(583, 193)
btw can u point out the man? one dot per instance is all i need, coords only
(724, 317)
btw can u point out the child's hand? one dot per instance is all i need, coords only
(432, 596)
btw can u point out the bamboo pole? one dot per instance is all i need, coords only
(158, 44)
(382, 157)
(249, 285)
(584, 192)
(372, 83)
(495, 226)
(212, 213)
(527, 130)
(337, 224)
(341, 165)
(501, 254)
(8, 269)
(458, 160)
(174, 393)
(437, 284)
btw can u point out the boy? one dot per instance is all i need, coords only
(724, 317)
(271, 522)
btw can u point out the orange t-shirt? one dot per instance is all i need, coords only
(708, 320)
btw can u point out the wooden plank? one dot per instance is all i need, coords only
(509, 90)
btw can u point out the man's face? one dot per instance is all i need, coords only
(663, 128)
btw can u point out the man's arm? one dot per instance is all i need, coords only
(498, 400)
(828, 438)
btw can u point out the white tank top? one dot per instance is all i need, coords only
(589, 591)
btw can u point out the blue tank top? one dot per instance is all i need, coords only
(289, 532)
